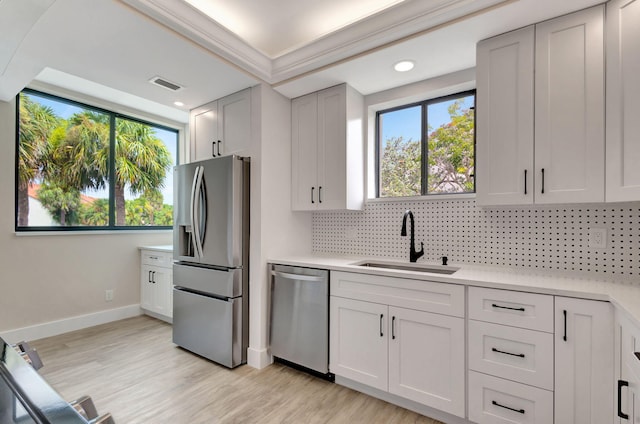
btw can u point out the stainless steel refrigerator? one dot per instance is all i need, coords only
(211, 252)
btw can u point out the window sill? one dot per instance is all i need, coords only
(429, 198)
(89, 232)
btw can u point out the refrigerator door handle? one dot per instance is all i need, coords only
(195, 209)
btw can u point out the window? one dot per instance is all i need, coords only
(80, 167)
(427, 148)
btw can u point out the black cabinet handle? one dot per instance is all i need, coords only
(320, 194)
(542, 180)
(564, 337)
(393, 328)
(520, 355)
(153, 277)
(525, 182)
(621, 384)
(637, 355)
(219, 142)
(521, 411)
(381, 333)
(149, 280)
(507, 307)
(213, 149)
(312, 201)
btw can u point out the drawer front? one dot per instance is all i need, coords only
(524, 356)
(428, 296)
(152, 257)
(493, 400)
(517, 309)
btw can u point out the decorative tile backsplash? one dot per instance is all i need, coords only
(553, 238)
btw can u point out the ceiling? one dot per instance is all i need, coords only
(111, 48)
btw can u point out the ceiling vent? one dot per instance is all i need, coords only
(165, 84)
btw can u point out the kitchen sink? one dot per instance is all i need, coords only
(434, 269)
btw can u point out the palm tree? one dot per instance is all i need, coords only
(95, 213)
(142, 161)
(36, 122)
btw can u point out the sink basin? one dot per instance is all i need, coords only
(434, 269)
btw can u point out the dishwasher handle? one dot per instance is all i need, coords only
(296, 276)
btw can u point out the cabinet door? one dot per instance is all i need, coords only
(629, 405)
(569, 108)
(358, 341)
(623, 102)
(505, 119)
(234, 123)
(332, 142)
(162, 291)
(426, 359)
(146, 287)
(204, 131)
(583, 361)
(304, 152)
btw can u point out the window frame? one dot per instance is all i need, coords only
(113, 116)
(424, 162)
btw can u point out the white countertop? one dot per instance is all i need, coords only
(164, 248)
(625, 295)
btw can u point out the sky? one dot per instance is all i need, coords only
(406, 122)
(170, 139)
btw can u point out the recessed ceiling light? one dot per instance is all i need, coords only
(179, 104)
(404, 66)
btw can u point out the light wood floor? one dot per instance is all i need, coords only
(132, 369)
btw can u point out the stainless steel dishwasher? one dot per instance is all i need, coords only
(300, 317)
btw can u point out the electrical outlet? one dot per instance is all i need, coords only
(597, 238)
(108, 295)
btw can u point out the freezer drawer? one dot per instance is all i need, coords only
(209, 327)
(300, 316)
(220, 283)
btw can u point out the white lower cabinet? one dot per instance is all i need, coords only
(628, 372)
(426, 359)
(494, 400)
(584, 361)
(417, 355)
(358, 345)
(156, 284)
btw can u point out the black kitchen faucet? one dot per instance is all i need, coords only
(413, 254)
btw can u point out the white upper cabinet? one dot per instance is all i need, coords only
(623, 102)
(569, 108)
(327, 150)
(505, 118)
(566, 96)
(221, 127)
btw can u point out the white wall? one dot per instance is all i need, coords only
(275, 229)
(46, 278)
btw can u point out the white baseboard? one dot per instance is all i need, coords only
(66, 325)
(258, 358)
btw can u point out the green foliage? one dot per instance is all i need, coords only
(449, 159)
(61, 202)
(400, 168)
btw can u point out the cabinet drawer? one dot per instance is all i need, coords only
(525, 356)
(152, 257)
(517, 309)
(428, 296)
(493, 400)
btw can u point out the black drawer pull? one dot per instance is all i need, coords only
(521, 411)
(520, 355)
(621, 384)
(564, 313)
(381, 333)
(507, 307)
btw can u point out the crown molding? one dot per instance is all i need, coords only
(189, 22)
(397, 23)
